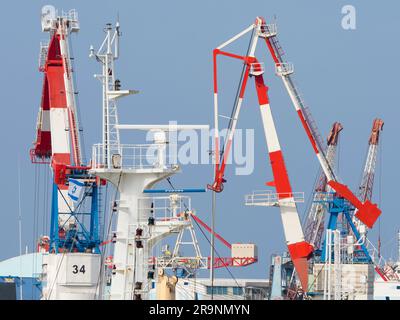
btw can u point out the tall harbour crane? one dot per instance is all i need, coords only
(367, 212)
(285, 198)
(72, 265)
(367, 180)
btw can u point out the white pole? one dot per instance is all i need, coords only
(398, 258)
(20, 228)
(212, 244)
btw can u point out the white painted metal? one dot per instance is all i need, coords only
(337, 266)
(271, 136)
(245, 250)
(180, 256)
(71, 276)
(239, 35)
(131, 262)
(106, 55)
(59, 131)
(166, 127)
(267, 198)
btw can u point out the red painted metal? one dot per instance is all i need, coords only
(202, 223)
(231, 262)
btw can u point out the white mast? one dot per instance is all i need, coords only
(106, 55)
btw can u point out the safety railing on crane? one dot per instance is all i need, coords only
(72, 17)
(268, 30)
(44, 48)
(284, 68)
(271, 199)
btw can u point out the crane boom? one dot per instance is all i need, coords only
(314, 224)
(367, 182)
(367, 212)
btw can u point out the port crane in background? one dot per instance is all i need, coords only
(314, 225)
(73, 249)
(284, 197)
(367, 180)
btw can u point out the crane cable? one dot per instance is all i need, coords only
(236, 97)
(380, 196)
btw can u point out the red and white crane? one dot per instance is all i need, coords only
(74, 232)
(299, 249)
(57, 130)
(367, 212)
(315, 221)
(367, 180)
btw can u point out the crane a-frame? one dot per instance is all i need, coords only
(299, 249)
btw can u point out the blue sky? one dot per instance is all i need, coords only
(346, 76)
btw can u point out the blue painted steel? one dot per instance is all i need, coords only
(358, 237)
(337, 205)
(54, 235)
(85, 236)
(31, 287)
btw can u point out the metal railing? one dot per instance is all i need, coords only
(163, 209)
(268, 30)
(131, 156)
(284, 68)
(270, 199)
(44, 48)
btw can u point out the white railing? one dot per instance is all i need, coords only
(284, 68)
(44, 48)
(268, 30)
(131, 156)
(270, 199)
(323, 197)
(72, 17)
(173, 207)
(180, 262)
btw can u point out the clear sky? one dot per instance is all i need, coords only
(349, 76)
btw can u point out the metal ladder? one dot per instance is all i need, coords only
(306, 112)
